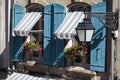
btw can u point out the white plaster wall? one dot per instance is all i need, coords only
(0, 35)
(4, 33)
(2, 28)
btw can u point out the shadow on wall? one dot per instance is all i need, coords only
(98, 37)
(5, 57)
(55, 59)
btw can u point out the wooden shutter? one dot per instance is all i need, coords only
(16, 42)
(53, 48)
(98, 43)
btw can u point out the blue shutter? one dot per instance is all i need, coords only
(98, 43)
(53, 48)
(16, 42)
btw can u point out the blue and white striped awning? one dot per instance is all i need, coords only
(21, 76)
(67, 28)
(26, 24)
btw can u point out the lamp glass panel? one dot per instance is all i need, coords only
(89, 34)
(81, 35)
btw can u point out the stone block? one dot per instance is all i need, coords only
(59, 71)
(80, 73)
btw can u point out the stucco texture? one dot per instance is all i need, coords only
(117, 50)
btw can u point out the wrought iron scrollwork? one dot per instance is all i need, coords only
(109, 19)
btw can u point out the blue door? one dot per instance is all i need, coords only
(53, 47)
(16, 42)
(98, 43)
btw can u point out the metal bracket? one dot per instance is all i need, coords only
(109, 19)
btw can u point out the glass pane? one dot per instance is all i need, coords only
(81, 35)
(89, 34)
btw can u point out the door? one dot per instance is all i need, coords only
(16, 42)
(98, 43)
(53, 47)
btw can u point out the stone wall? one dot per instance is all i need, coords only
(117, 44)
(69, 73)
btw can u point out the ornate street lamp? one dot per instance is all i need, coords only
(85, 31)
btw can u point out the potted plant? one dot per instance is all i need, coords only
(76, 52)
(32, 48)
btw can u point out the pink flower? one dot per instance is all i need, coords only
(40, 49)
(77, 53)
(86, 49)
(81, 47)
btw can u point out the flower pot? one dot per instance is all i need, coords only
(28, 55)
(78, 58)
(35, 53)
(69, 62)
(83, 61)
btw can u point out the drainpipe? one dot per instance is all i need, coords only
(113, 42)
(112, 61)
(115, 33)
(110, 40)
(72, 1)
(29, 2)
(10, 24)
(114, 38)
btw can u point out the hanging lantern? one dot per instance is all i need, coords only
(85, 31)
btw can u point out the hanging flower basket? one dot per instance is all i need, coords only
(77, 52)
(32, 49)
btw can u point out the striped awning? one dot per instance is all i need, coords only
(67, 28)
(26, 24)
(21, 76)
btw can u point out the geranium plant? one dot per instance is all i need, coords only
(81, 50)
(33, 46)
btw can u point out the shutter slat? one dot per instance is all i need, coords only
(98, 43)
(53, 48)
(16, 43)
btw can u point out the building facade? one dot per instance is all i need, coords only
(5, 20)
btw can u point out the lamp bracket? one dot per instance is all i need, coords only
(109, 19)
